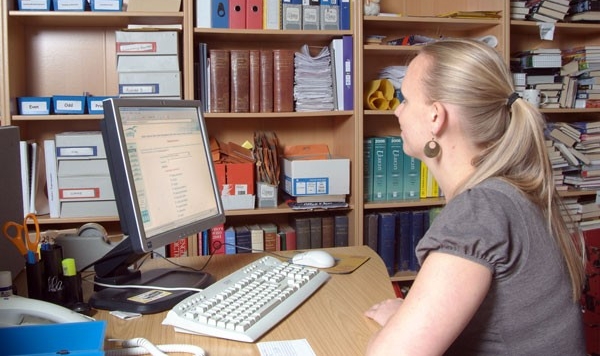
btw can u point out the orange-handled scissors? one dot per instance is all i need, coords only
(19, 234)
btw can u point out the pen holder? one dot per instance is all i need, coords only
(73, 293)
(53, 276)
(35, 280)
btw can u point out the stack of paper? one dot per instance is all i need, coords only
(313, 84)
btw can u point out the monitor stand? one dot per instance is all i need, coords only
(150, 301)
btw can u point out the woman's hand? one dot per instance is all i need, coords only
(381, 312)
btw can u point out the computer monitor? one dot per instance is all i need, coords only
(165, 188)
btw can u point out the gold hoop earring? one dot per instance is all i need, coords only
(432, 148)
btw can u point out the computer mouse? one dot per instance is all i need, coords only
(314, 258)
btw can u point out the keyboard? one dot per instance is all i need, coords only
(249, 302)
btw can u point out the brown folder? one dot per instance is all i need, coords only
(219, 80)
(283, 80)
(240, 80)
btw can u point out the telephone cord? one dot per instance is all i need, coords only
(141, 346)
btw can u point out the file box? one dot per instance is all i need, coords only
(34, 105)
(66, 104)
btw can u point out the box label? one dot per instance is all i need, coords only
(138, 89)
(79, 193)
(68, 105)
(310, 186)
(34, 4)
(34, 107)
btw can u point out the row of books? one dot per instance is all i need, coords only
(303, 232)
(274, 14)
(584, 11)
(550, 11)
(395, 234)
(390, 174)
(263, 80)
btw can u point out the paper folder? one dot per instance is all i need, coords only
(237, 14)
(254, 14)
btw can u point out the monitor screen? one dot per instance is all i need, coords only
(165, 187)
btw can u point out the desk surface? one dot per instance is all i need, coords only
(331, 320)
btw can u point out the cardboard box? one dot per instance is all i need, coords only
(146, 42)
(106, 5)
(34, 5)
(85, 188)
(83, 209)
(68, 104)
(150, 84)
(154, 5)
(79, 145)
(34, 105)
(267, 195)
(148, 63)
(316, 176)
(69, 5)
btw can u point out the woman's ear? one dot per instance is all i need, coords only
(438, 117)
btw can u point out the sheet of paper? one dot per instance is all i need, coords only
(286, 348)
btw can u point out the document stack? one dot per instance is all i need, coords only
(313, 81)
(148, 64)
(84, 183)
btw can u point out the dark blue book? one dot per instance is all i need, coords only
(417, 231)
(386, 241)
(403, 233)
(371, 228)
(316, 233)
(243, 239)
(348, 72)
(302, 227)
(345, 15)
(340, 230)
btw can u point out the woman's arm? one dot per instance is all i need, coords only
(445, 295)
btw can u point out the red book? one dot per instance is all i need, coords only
(217, 240)
(178, 248)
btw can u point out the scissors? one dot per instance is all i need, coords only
(21, 238)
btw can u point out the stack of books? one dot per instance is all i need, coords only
(548, 10)
(584, 11)
(582, 69)
(539, 68)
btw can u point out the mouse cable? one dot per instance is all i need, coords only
(141, 346)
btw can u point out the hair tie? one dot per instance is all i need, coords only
(511, 98)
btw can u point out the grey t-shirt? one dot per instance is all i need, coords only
(529, 309)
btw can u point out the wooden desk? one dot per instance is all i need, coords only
(331, 320)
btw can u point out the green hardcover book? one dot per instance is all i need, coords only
(395, 166)
(368, 169)
(411, 178)
(379, 169)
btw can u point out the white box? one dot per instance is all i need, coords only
(146, 42)
(81, 209)
(149, 63)
(83, 167)
(235, 202)
(316, 176)
(150, 84)
(84, 188)
(79, 144)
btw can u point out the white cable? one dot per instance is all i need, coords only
(141, 346)
(136, 286)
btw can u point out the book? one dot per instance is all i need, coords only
(272, 242)
(316, 233)
(288, 237)
(411, 178)
(584, 16)
(371, 228)
(203, 79)
(178, 248)
(216, 240)
(417, 231)
(51, 178)
(403, 233)
(230, 242)
(257, 237)
(341, 232)
(239, 74)
(302, 227)
(395, 166)
(329, 198)
(266, 80)
(327, 231)
(379, 169)
(220, 80)
(243, 239)
(368, 169)
(254, 81)
(283, 80)
(337, 54)
(386, 240)
(272, 14)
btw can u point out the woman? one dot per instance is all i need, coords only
(500, 274)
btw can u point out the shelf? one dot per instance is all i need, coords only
(94, 18)
(259, 35)
(271, 115)
(56, 117)
(428, 202)
(379, 112)
(531, 28)
(383, 49)
(417, 24)
(404, 276)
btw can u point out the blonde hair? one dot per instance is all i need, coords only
(473, 76)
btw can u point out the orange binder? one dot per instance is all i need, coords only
(237, 14)
(254, 14)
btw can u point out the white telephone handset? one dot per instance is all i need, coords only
(16, 310)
